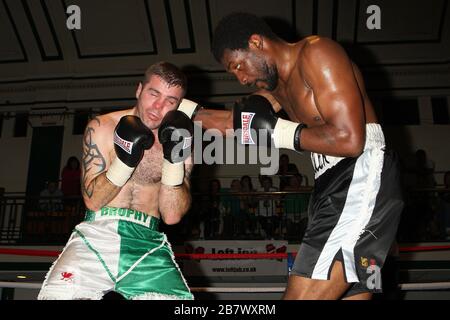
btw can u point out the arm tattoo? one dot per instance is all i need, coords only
(92, 160)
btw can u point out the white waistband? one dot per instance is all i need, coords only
(374, 136)
(374, 139)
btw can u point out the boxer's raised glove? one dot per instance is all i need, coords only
(175, 134)
(255, 112)
(131, 138)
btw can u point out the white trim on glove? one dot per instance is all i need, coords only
(188, 107)
(119, 173)
(284, 134)
(172, 173)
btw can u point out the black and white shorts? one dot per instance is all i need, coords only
(353, 213)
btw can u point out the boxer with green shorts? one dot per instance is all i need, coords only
(121, 250)
(135, 173)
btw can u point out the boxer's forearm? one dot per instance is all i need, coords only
(99, 192)
(215, 119)
(330, 140)
(174, 202)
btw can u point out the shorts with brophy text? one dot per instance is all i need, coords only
(116, 249)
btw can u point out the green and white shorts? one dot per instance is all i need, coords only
(119, 250)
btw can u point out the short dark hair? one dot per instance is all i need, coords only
(234, 30)
(168, 72)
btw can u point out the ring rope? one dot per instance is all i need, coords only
(403, 286)
(210, 256)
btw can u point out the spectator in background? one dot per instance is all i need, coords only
(248, 203)
(424, 170)
(216, 210)
(233, 219)
(266, 209)
(200, 209)
(70, 178)
(295, 208)
(285, 170)
(424, 201)
(261, 179)
(51, 197)
(443, 212)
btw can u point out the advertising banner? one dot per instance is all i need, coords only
(235, 267)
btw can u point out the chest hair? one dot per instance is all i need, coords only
(149, 169)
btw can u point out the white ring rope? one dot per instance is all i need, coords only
(403, 287)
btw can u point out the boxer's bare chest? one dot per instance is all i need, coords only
(142, 190)
(148, 172)
(297, 99)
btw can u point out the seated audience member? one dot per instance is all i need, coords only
(285, 170)
(295, 207)
(248, 204)
(216, 210)
(266, 214)
(423, 201)
(51, 197)
(443, 211)
(235, 218)
(424, 170)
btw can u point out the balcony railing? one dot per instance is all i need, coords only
(38, 220)
(222, 216)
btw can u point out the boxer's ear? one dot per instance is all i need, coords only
(138, 90)
(255, 42)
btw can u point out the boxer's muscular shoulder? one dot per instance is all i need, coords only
(317, 51)
(99, 127)
(99, 131)
(320, 58)
(106, 123)
(110, 120)
(317, 44)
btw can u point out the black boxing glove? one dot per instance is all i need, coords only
(131, 138)
(255, 112)
(175, 134)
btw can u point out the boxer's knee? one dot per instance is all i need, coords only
(302, 288)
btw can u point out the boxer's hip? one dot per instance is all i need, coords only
(374, 139)
(121, 217)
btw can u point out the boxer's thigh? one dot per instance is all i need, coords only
(78, 273)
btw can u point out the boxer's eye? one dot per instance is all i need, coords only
(172, 101)
(154, 93)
